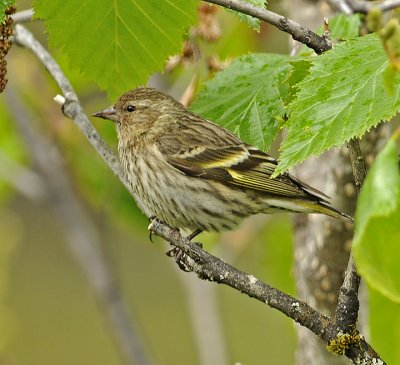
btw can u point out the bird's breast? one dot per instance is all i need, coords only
(181, 201)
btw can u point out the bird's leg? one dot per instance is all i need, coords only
(194, 234)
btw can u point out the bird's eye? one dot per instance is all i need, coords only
(130, 108)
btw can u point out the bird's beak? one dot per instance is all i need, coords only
(109, 113)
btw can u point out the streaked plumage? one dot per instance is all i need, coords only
(194, 174)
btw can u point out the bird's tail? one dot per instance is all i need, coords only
(324, 208)
(307, 206)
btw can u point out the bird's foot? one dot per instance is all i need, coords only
(181, 258)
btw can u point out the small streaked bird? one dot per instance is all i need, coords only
(193, 174)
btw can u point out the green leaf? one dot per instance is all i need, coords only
(345, 27)
(4, 5)
(300, 69)
(119, 43)
(384, 320)
(247, 97)
(343, 96)
(376, 244)
(251, 22)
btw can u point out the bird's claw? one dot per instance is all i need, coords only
(151, 219)
(181, 257)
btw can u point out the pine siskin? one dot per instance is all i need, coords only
(191, 173)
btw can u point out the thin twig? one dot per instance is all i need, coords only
(348, 304)
(318, 43)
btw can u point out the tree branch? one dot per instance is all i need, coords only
(318, 43)
(348, 304)
(211, 268)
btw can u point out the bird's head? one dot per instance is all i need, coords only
(142, 112)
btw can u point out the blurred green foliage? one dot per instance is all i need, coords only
(11, 148)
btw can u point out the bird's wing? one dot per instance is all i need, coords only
(240, 165)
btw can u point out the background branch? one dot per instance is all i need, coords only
(22, 179)
(341, 6)
(23, 16)
(360, 6)
(81, 233)
(206, 320)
